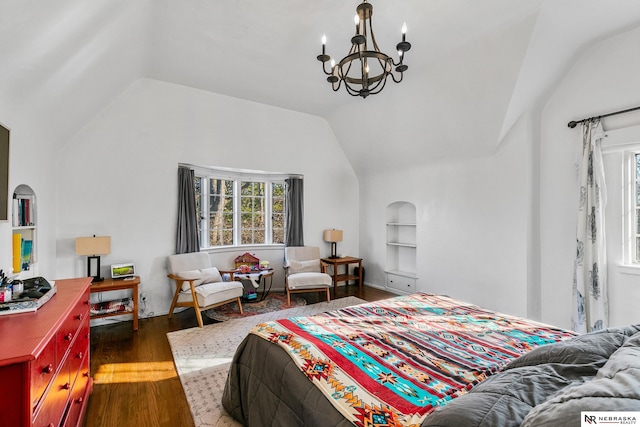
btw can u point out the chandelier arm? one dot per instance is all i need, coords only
(393, 76)
(324, 68)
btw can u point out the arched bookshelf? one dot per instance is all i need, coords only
(24, 221)
(401, 247)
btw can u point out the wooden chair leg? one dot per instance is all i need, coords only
(175, 299)
(198, 315)
(288, 298)
(328, 295)
(239, 304)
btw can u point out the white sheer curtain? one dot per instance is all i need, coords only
(590, 305)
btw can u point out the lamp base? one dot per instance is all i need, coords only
(333, 251)
(95, 259)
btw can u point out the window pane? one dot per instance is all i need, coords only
(198, 189)
(245, 220)
(252, 225)
(277, 210)
(637, 209)
(278, 236)
(278, 221)
(220, 212)
(637, 179)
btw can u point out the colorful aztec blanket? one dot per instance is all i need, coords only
(392, 362)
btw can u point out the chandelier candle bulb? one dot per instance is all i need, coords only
(404, 32)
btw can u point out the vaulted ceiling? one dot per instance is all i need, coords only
(474, 68)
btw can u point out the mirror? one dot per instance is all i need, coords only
(4, 173)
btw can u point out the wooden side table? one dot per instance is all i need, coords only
(345, 277)
(256, 278)
(117, 285)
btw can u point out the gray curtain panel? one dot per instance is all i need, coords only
(187, 236)
(295, 211)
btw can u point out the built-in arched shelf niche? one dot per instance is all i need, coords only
(401, 247)
(24, 220)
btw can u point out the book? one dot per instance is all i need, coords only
(27, 246)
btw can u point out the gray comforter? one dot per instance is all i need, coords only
(551, 385)
(548, 386)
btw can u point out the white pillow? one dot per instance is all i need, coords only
(311, 266)
(202, 276)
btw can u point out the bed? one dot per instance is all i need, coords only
(427, 360)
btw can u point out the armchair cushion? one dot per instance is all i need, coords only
(201, 276)
(310, 266)
(308, 280)
(212, 293)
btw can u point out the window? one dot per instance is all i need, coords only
(633, 210)
(621, 158)
(240, 208)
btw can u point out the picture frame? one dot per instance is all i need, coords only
(121, 271)
(4, 174)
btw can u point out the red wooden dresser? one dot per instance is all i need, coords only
(44, 360)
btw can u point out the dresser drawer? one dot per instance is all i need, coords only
(43, 369)
(79, 393)
(403, 284)
(78, 351)
(70, 327)
(54, 401)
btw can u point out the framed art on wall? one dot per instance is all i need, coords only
(4, 173)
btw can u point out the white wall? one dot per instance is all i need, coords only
(57, 72)
(31, 151)
(604, 79)
(472, 239)
(118, 176)
(499, 231)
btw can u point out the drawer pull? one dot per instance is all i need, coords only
(80, 400)
(68, 336)
(79, 316)
(66, 386)
(79, 355)
(47, 369)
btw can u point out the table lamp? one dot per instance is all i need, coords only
(93, 247)
(333, 236)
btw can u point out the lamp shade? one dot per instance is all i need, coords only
(100, 245)
(333, 235)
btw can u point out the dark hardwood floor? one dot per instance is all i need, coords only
(135, 382)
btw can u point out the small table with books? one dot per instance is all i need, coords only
(102, 309)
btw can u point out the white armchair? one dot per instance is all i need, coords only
(304, 271)
(199, 284)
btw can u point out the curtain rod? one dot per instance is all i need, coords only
(573, 124)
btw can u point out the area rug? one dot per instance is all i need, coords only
(273, 302)
(203, 355)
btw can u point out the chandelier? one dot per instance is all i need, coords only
(365, 69)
